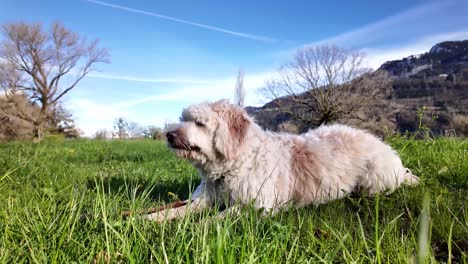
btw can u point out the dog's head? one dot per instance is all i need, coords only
(210, 132)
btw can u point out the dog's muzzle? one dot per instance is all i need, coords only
(171, 137)
(178, 141)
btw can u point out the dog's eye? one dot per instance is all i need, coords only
(199, 124)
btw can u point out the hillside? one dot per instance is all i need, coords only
(436, 80)
(444, 60)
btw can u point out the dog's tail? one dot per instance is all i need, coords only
(410, 178)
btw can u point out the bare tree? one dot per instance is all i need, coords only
(61, 121)
(121, 128)
(126, 129)
(101, 134)
(17, 113)
(60, 117)
(135, 130)
(239, 94)
(325, 83)
(11, 79)
(43, 58)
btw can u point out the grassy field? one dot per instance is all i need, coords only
(61, 202)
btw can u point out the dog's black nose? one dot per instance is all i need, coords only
(171, 135)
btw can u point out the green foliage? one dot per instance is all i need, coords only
(61, 202)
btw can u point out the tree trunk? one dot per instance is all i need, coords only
(38, 132)
(39, 124)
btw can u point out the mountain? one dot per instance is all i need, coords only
(446, 58)
(433, 85)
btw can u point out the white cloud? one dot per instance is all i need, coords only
(113, 76)
(92, 116)
(416, 30)
(213, 90)
(425, 19)
(182, 21)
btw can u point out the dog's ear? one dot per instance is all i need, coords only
(231, 132)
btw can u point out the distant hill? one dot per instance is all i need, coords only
(436, 80)
(445, 58)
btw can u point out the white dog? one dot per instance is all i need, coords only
(240, 163)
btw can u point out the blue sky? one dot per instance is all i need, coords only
(166, 55)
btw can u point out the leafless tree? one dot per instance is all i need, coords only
(322, 84)
(101, 134)
(60, 117)
(135, 130)
(17, 113)
(127, 129)
(121, 128)
(42, 59)
(239, 94)
(11, 79)
(61, 121)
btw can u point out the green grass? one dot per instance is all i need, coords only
(60, 202)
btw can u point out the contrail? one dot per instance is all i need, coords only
(230, 32)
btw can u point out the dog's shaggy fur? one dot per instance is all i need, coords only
(241, 163)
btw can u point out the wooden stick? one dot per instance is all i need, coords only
(156, 209)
